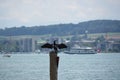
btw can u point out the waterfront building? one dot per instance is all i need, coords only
(26, 45)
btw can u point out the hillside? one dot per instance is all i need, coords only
(96, 26)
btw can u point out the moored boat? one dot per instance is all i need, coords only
(81, 50)
(6, 55)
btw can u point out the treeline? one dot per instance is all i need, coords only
(96, 26)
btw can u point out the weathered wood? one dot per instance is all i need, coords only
(53, 65)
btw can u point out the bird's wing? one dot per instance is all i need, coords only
(60, 46)
(47, 45)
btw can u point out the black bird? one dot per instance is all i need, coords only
(54, 46)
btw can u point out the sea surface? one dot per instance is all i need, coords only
(102, 66)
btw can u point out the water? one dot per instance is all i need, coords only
(71, 67)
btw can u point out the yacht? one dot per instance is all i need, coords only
(81, 50)
(37, 51)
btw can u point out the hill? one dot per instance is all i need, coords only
(95, 26)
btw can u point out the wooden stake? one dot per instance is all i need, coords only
(53, 65)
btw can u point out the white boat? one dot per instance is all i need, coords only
(81, 50)
(37, 51)
(6, 55)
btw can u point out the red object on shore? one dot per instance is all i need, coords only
(98, 50)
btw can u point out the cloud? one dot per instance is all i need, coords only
(39, 12)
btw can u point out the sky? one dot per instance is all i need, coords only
(16, 13)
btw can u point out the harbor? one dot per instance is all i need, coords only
(59, 40)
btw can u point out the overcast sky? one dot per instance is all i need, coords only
(45, 12)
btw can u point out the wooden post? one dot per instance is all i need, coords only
(53, 65)
(54, 59)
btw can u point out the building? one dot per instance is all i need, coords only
(26, 45)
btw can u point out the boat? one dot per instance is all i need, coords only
(6, 55)
(37, 51)
(81, 50)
